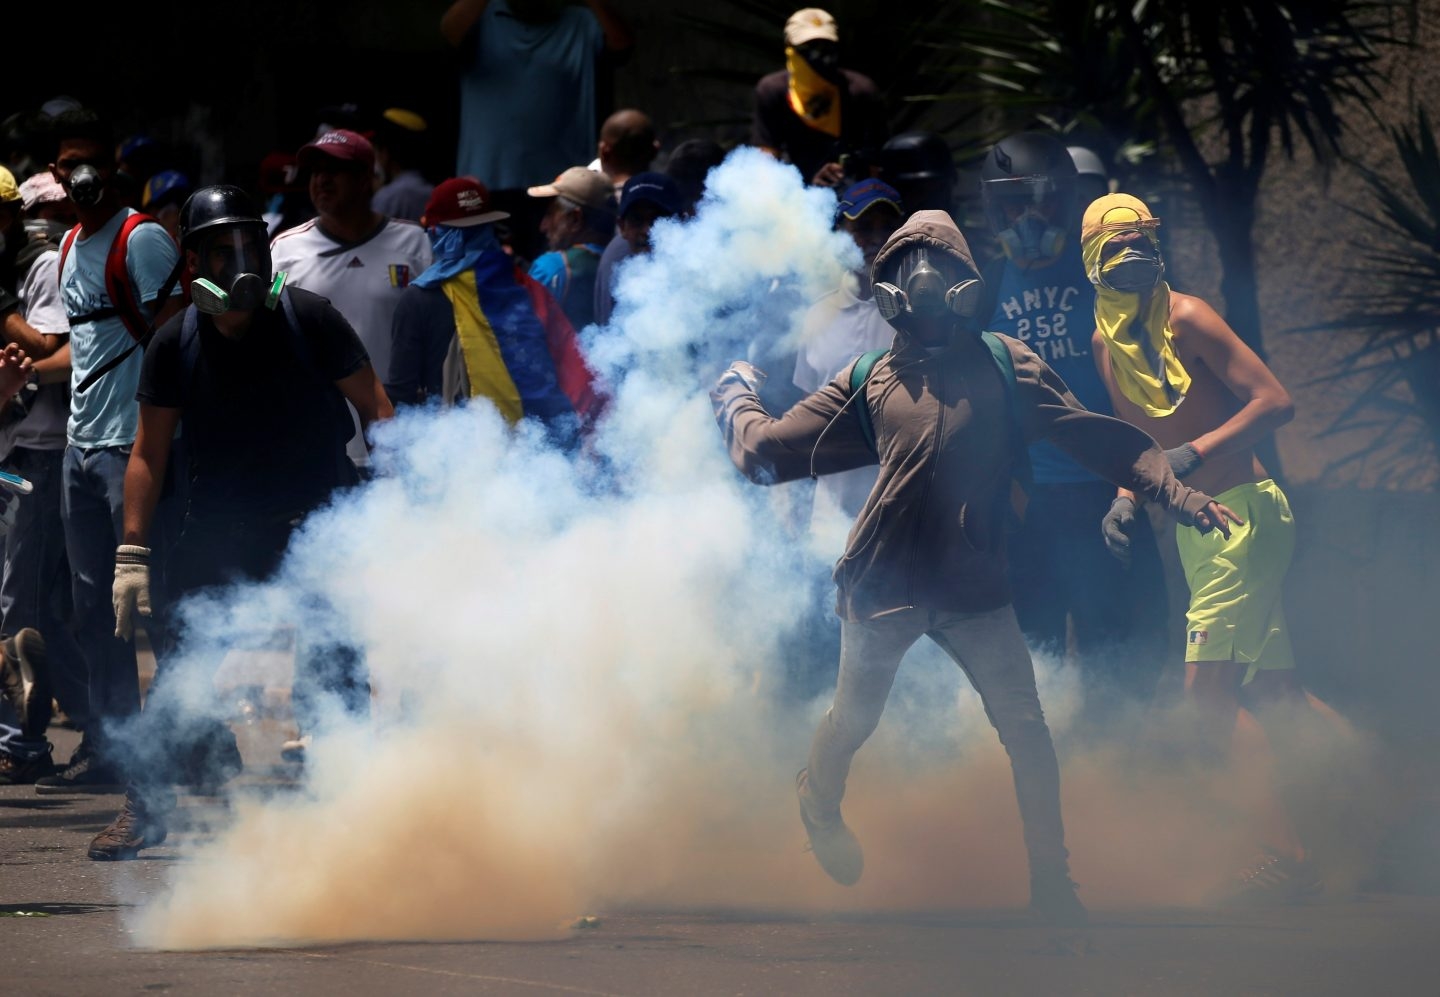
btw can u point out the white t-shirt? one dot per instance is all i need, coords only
(363, 281)
(44, 427)
(837, 329)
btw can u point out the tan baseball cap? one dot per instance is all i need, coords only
(808, 25)
(582, 185)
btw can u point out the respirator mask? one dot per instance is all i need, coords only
(1028, 216)
(236, 267)
(87, 186)
(921, 289)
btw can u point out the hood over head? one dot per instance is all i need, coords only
(931, 230)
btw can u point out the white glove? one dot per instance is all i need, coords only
(131, 594)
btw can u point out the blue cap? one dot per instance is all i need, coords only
(655, 188)
(860, 197)
(167, 185)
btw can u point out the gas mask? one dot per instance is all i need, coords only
(1134, 270)
(1031, 237)
(920, 289)
(236, 264)
(1028, 216)
(87, 186)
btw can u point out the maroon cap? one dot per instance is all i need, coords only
(460, 202)
(341, 144)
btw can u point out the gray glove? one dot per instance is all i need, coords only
(131, 593)
(1184, 460)
(1116, 526)
(746, 373)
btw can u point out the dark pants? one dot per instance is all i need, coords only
(207, 556)
(92, 505)
(1060, 570)
(35, 587)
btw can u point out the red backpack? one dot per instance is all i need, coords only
(117, 279)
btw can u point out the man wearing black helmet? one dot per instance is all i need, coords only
(945, 413)
(920, 167)
(257, 374)
(1063, 579)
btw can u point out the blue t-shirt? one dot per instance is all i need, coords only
(1052, 311)
(106, 414)
(527, 97)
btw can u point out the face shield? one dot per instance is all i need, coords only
(1029, 215)
(232, 271)
(920, 288)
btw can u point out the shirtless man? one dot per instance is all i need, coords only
(1175, 369)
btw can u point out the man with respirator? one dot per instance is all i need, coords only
(1176, 369)
(256, 374)
(1063, 578)
(946, 413)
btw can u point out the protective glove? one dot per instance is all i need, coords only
(131, 593)
(1116, 526)
(1184, 460)
(746, 373)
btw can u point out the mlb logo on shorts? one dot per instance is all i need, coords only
(399, 275)
(1199, 636)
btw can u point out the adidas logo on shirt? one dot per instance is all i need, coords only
(354, 262)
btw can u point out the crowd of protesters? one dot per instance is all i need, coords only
(127, 291)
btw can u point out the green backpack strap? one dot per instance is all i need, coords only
(859, 374)
(1006, 363)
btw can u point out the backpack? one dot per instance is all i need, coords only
(122, 298)
(1000, 353)
(117, 279)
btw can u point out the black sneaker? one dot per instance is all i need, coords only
(835, 847)
(83, 775)
(1053, 902)
(25, 682)
(14, 772)
(136, 827)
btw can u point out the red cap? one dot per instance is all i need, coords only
(341, 144)
(460, 202)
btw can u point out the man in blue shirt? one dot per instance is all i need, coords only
(527, 92)
(102, 422)
(1059, 569)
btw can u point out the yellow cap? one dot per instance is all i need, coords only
(408, 120)
(9, 189)
(1113, 212)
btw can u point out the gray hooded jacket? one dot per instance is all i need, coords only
(932, 533)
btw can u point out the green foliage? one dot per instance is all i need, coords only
(1395, 319)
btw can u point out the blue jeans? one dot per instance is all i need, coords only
(35, 586)
(93, 507)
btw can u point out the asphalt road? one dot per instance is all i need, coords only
(1376, 944)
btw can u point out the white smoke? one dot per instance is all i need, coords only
(590, 660)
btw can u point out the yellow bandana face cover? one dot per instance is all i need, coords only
(1132, 304)
(812, 96)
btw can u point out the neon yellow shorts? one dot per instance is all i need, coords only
(1236, 611)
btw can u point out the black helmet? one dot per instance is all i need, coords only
(211, 207)
(1027, 185)
(916, 156)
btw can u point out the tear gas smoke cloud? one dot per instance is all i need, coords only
(588, 667)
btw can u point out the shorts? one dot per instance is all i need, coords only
(1236, 611)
